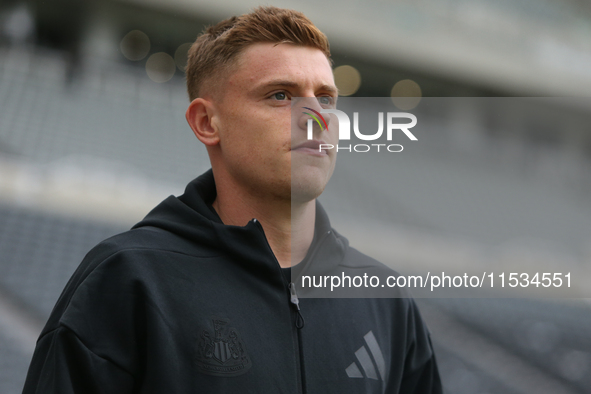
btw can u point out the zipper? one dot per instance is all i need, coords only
(299, 323)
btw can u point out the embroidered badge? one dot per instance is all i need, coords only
(222, 353)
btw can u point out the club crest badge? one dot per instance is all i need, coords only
(221, 352)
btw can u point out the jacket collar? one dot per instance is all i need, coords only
(191, 216)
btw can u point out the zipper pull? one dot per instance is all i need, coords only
(294, 296)
(294, 300)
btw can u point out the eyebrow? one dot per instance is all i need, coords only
(291, 84)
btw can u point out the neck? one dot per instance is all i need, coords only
(289, 228)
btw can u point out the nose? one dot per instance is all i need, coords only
(308, 109)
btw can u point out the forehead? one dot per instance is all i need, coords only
(303, 65)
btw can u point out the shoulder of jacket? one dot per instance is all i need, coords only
(356, 259)
(145, 239)
(133, 256)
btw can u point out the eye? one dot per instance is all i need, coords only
(279, 96)
(326, 100)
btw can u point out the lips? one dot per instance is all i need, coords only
(311, 148)
(311, 144)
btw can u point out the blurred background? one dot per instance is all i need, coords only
(93, 135)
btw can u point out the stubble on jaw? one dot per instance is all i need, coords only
(308, 184)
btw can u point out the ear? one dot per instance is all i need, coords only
(199, 116)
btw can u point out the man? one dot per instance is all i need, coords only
(196, 298)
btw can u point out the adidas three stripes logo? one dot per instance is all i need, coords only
(368, 366)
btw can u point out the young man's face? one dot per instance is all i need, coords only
(254, 122)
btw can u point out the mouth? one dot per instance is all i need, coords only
(311, 147)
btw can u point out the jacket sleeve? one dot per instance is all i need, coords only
(62, 364)
(421, 375)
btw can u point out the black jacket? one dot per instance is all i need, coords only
(185, 304)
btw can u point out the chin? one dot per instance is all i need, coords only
(308, 182)
(301, 197)
(306, 190)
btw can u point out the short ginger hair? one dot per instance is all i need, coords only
(217, 48)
